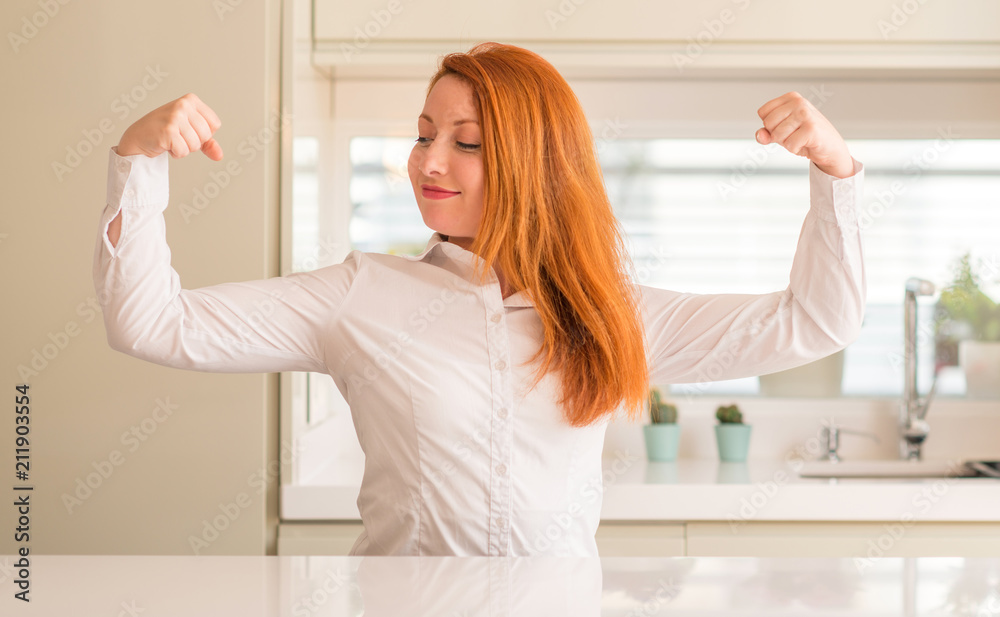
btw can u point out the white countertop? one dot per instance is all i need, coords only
(252, 586)
(707, 490)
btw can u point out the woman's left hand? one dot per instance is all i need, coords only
(793, 122)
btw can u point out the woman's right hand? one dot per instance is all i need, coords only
(180, 127)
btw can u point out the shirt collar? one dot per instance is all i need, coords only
(452, 251)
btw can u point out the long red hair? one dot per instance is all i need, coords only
(548, 224)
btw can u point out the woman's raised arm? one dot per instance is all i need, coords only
(697, 338)
(270, 325)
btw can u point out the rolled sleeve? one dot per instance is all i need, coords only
(135, 181)
(836, 200)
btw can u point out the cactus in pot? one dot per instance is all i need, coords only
(662, 437)
(659, 411)
(729, 414)
(732, 436)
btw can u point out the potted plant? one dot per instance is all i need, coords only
(731, 435)
(967, 331)
(663, 435)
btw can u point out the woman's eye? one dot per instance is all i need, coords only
(464, 146)
(423, 141)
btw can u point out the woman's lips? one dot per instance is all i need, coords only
(436, 192)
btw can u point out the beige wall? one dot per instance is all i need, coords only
(67, 76)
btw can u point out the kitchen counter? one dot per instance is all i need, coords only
(499, 586)
(707, 490)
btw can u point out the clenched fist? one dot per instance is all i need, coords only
(180, 127)
(794, 123)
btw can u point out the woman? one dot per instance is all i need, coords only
(481, 395)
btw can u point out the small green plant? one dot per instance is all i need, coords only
(660, 411)
(729, 414)
(963, 310)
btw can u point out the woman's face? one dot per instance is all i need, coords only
(446, 164)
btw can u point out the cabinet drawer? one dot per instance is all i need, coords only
(640, 539)
(317, 538)
(835, 539)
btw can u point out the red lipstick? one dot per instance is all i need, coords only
(431, 191)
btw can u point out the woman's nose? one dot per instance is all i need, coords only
(435, 160)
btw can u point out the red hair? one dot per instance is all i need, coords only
(547, 223)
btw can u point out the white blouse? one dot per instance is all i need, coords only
(459, 458)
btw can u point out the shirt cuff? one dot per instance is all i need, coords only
(836, 200)
(137, 180)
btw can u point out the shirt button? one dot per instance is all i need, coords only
(500, 365)
(501, 469)
(502, 413)
(496, 318)
(503, 522)
(130, 193)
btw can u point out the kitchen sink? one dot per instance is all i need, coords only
(900, 469)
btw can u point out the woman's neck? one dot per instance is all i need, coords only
(466, 243)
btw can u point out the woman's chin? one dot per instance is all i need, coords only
(445, 228)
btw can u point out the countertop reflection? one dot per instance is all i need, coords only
(500, 586)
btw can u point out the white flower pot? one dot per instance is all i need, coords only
(981, 362)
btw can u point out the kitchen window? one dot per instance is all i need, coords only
(678, 157)
(723, 215)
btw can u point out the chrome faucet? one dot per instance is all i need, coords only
(913, 428)
(831, 436)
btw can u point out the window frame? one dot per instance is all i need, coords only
(334, 168)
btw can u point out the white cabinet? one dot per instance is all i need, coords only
(665, 34)
(318, 538)
(652, 539)
(613, 540)
(861, 541)
(573, 21)
(836, 539)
